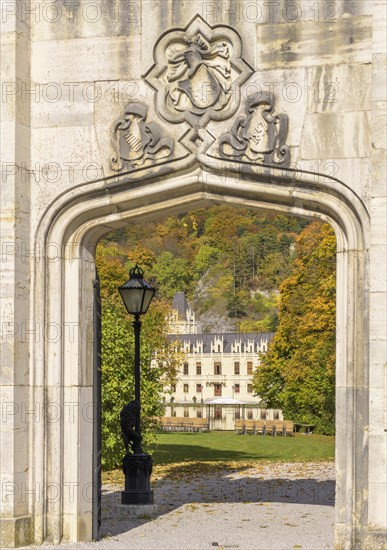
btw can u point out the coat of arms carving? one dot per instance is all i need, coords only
(197, 73)
(259, 136)
(197, 77)
(136, 142)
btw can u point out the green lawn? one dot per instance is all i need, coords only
(173, 448)
(178, 455)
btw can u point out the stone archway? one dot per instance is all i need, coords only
(62, 466)
(195, 136)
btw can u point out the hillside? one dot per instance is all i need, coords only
(229, 261)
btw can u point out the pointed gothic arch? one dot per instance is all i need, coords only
(67, 238)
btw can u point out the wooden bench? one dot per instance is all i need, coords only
(240, 426)
(279, 427)
(259, 426)
(264, 427)
(286, 428)
(249, 426)
(269, 428)
(183, 424)
(199, 424)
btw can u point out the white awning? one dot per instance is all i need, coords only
(223, 401)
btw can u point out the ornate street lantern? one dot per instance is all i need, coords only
(136, 294)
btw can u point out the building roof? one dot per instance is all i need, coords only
(180, 304)
(228, 339)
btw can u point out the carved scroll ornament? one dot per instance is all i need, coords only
(136, 142)
(259, 136)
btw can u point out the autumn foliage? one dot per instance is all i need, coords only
(298, 372)
(229, 261)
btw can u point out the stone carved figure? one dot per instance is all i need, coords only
(198, 75)
(128, 418)
(259, 136)
(136, 142)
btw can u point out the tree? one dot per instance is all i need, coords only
(298, 372)
(142, 256)
(172, 274)
(236, 304)
(205, 257)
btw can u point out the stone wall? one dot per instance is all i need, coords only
(70, 70)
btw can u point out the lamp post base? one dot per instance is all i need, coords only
(137, 497)
(137, 469)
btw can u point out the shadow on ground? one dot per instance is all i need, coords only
(216, 485)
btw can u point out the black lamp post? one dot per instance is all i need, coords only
(136, 294)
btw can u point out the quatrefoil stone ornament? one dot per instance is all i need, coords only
(197, 73)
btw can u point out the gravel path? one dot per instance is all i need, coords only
(268, 507)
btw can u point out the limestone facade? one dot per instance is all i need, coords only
(117, 112)
(218, 365)
(218, 369)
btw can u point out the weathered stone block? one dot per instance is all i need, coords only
(339, 88)
(67, 20)
(16, 532)
(62, 147)
(13, 132)
(92, 59)
(380, 23)
(378, 281)
(377, 421)
(379, 77)
(331, 136)
(378, 355)
(379, 125)
(65, 104)
(9, 84)
(377, 498)
(378, 180)
(309, 43)
(378, 222)
(378, 315)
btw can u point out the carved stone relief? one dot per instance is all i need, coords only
(197, 78)
(197, 73)
(136, 142)
(259, 136)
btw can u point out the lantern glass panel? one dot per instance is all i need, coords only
(132, 299)
(148, 295)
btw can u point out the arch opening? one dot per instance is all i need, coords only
(69, 234)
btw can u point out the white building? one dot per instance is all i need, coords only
(216, 366)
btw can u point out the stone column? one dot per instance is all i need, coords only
(19, 408)
(377, 490)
